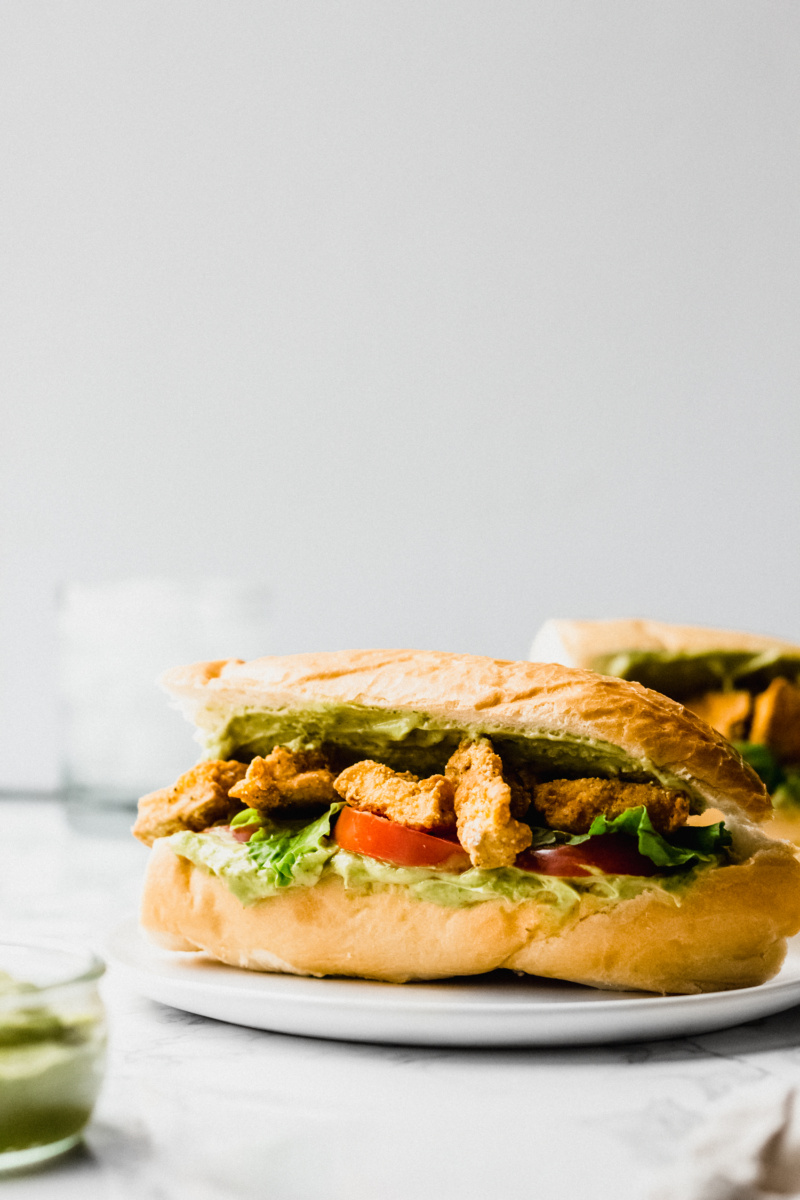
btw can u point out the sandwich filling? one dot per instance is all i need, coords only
(751, 699)
(455, 817)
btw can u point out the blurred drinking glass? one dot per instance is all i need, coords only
(122, 738)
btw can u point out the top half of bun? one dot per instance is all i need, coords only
(491, 696)
(583, 643)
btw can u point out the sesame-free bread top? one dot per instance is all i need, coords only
(490, 695)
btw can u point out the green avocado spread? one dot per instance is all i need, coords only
(250, 882)
(49, 1069)
(684, 675)
(415, 741)
(282, 854)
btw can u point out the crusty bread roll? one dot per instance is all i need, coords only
(726, 928)
(464, 691)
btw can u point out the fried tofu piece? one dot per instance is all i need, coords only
(196, 800)
(572, 804)
(485, 805)
(295, 778)
(726, 712)
(776, 720)
(424, 804)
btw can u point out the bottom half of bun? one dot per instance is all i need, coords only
(728, 929)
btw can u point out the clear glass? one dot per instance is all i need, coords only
(121, 736)
(52, 1048)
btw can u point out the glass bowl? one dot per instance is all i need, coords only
(52, 1048)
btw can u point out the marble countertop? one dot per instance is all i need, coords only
(194, 1107)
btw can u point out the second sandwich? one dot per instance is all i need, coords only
(745, 685)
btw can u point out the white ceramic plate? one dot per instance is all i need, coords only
(488, 1010)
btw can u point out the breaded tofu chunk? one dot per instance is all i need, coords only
(485, 804)
(286, 777)
(199, 798)
(726, 712)
(776, 720)
(424, 804)
(572, 804)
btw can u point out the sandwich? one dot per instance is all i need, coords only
(400, 815)
(744, 685)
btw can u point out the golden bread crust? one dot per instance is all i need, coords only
(465, 690)
(728, 932)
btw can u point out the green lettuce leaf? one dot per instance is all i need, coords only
(686, 847)
(787, 793)
(291, 852)
(763, 762)
(543, 836)
(250, 816)
(278, 855)
(782, 783)
(288, 852)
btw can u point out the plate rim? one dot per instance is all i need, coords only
(402, 998)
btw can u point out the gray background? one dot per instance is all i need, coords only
(439, 318)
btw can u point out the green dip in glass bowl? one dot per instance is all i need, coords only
(52, 1049)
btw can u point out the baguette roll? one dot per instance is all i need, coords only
(722, 926)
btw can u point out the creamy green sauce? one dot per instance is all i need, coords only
(50, 1070)
(230, 861)
(478, 886)
(417, 742)
(684, 675)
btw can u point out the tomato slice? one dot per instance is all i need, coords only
(243, 833)
(364, 833)
(612, 853)
(240, 833)
(376, 837)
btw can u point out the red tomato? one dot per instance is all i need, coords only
(364, 833)
(612, 853)
(243, 833)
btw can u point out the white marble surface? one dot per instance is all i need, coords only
(196, 1108)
